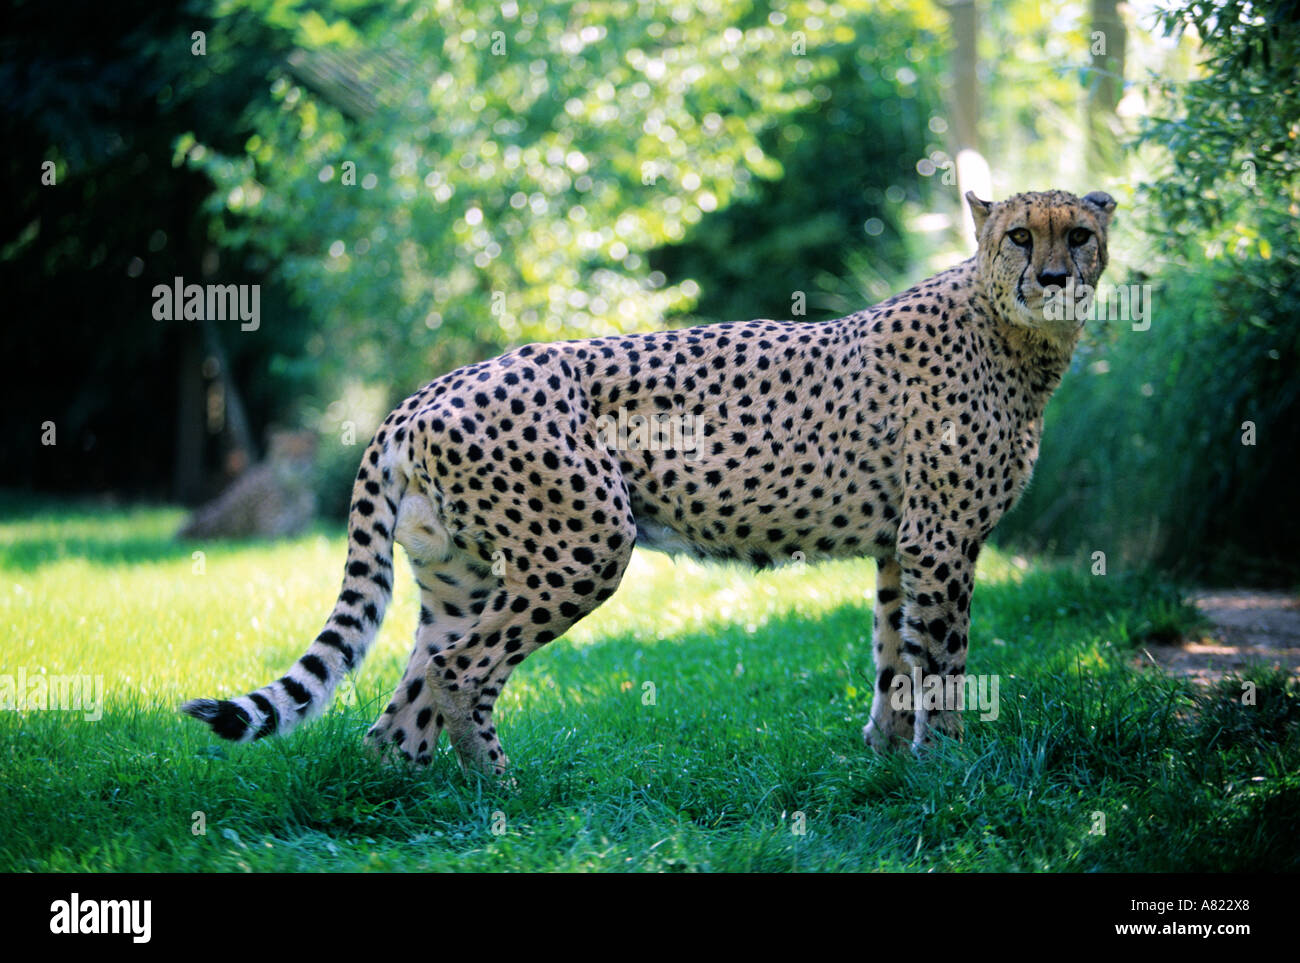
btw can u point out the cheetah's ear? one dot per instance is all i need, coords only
(1103, 202)
(979, 210)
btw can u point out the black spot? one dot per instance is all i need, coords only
(272, 720)
(335, 641)
(228, 720)
(298, 693)
(315, 666)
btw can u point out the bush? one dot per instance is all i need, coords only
(1176, 444)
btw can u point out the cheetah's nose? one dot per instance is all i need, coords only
(1051, 280)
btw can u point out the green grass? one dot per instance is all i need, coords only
(762, 685)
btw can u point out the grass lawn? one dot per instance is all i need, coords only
(749, 757)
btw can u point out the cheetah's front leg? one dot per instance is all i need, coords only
(922, 623)
(937, 581)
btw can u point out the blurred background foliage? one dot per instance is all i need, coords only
(418, 185)
(1178, 444)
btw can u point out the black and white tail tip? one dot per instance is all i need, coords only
(227, 719)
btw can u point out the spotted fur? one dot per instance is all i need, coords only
(903, 432)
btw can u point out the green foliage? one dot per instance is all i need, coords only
(102, 94)
(849, 166)
(1143, 455)
(515, 166)
(1232, 134)
(1176, 444)
(1034, 68)
(1250, 709)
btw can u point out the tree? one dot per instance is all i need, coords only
(511, 183)
(97, 215)
(1107, 45)
(849, 163)
(1175, 443)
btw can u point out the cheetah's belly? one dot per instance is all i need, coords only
(774, 522)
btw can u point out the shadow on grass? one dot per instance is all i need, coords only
(35, 531)
(30, 554)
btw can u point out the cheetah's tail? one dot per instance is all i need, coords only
(305, 690)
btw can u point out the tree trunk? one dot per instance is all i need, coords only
(241, 435)
(965, 89)
(1106, 43)
(971, 170)
(191, 426)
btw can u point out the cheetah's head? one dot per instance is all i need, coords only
(1038, 253)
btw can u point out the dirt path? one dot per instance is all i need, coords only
(1248, 626)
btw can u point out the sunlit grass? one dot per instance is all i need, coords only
(682, 726)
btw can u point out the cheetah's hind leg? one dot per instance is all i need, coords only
(477, 625)
(454, 583)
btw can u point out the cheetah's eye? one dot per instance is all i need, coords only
(1019, 236)
(1079, 236)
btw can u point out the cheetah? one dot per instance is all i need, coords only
(902, 432)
